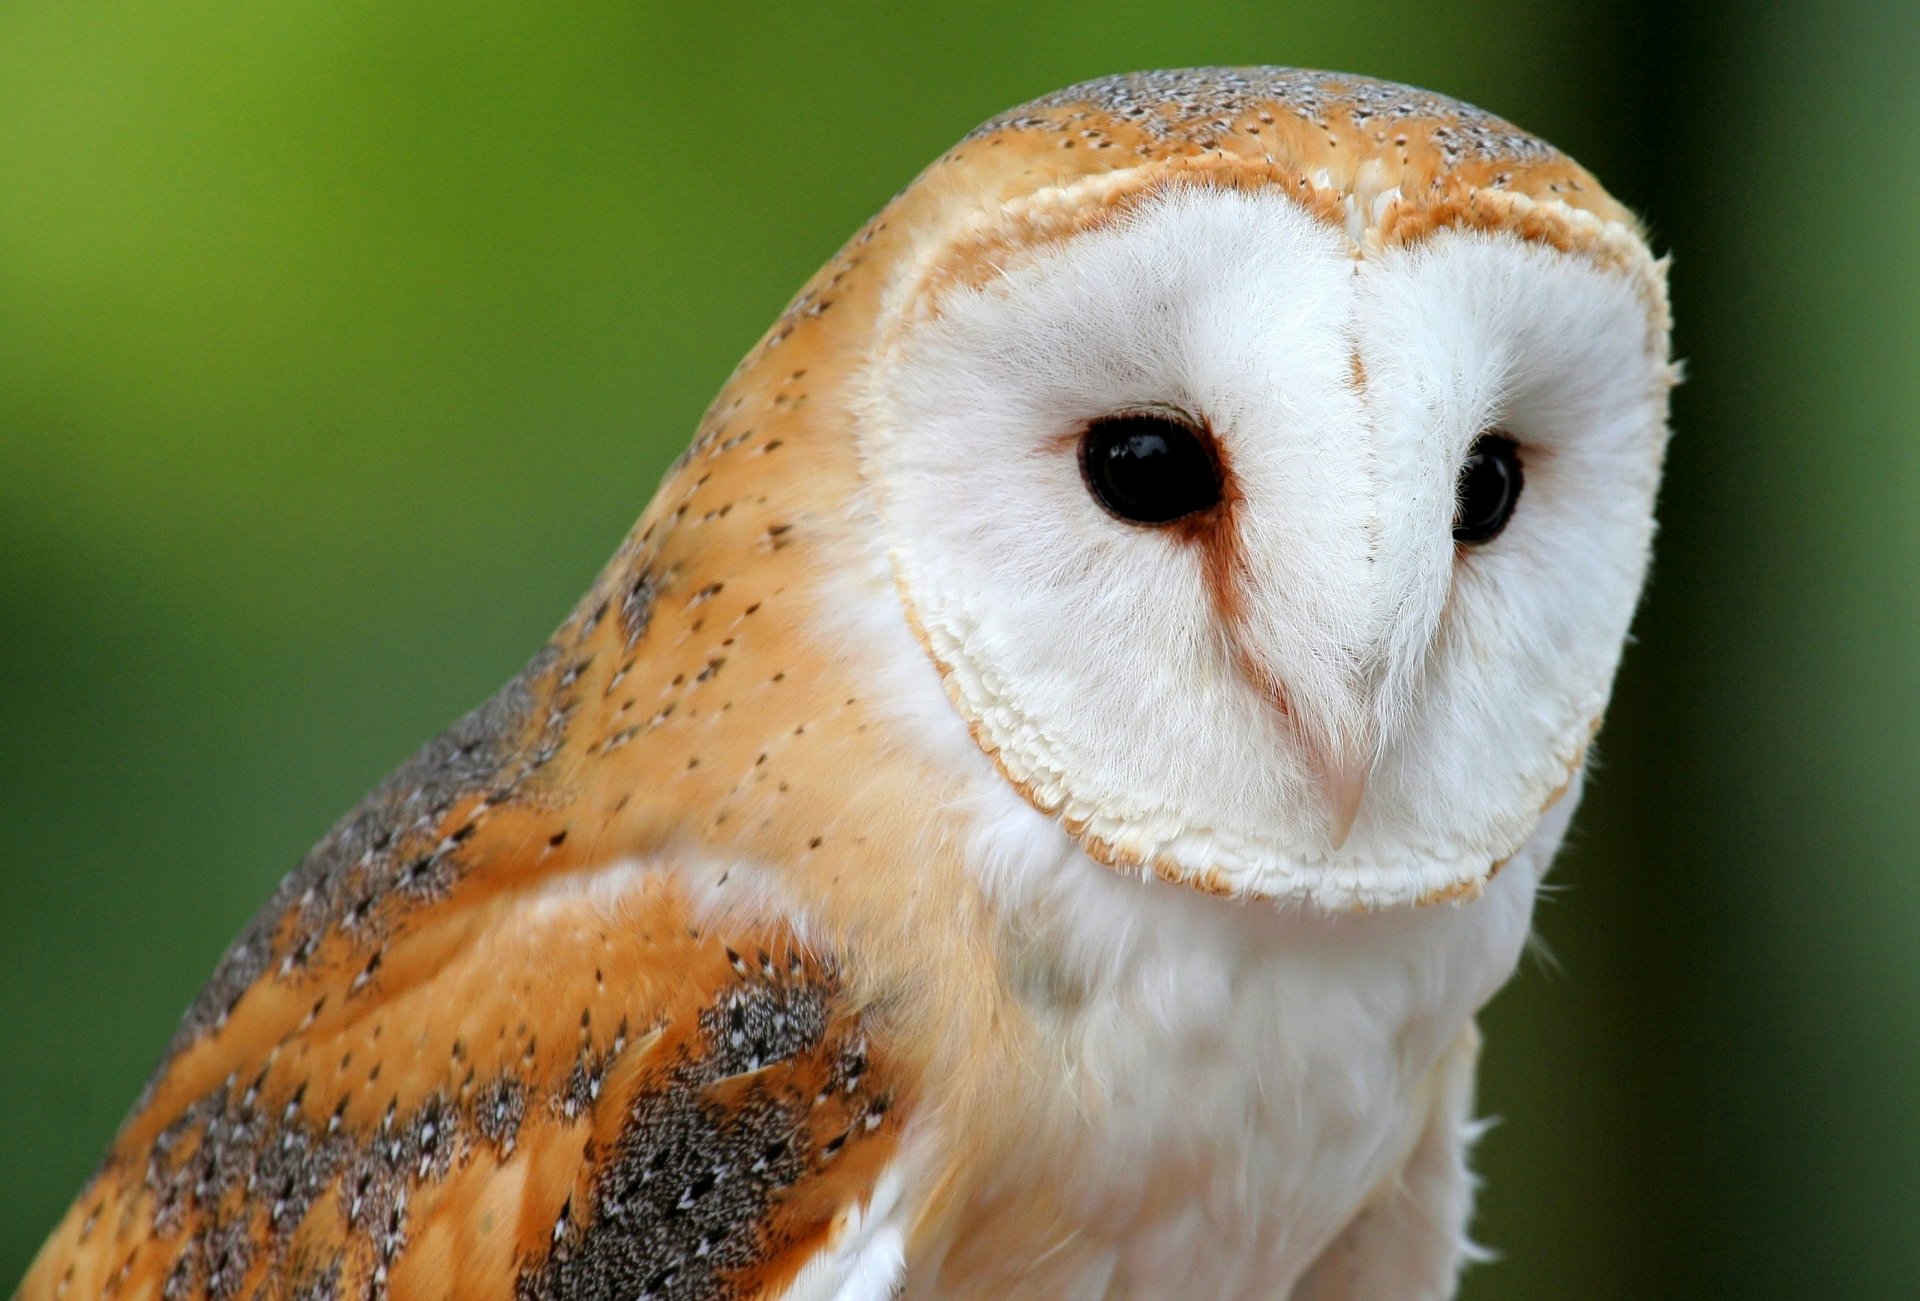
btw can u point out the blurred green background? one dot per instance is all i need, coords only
(340, 342)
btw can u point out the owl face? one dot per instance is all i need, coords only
(1270, 556)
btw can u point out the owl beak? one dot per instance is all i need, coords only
(1343, 786)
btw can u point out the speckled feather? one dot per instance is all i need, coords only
(462, 1052)
(506, 1031)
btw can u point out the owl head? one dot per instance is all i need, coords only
(1266, 459)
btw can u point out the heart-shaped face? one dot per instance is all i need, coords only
(1278, 534)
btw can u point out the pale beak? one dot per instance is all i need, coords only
(1343, 785)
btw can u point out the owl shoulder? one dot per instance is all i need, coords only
(579, 1088)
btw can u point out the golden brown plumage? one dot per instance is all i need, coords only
(623, 986)
(454, 1065)
(445, 1045)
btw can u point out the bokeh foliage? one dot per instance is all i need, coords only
(340, 342)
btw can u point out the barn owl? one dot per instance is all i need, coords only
(1035, 804)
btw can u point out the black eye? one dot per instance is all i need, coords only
(1488, 489)
(1149, 469)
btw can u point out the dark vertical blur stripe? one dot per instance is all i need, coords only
(1672, 955)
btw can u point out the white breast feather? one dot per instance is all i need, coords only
(1264, 1065)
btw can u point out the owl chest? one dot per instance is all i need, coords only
(1220, 1153)
(1216, 1104)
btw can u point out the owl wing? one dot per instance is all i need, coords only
(457, 1057)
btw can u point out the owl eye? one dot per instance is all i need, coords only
(1487, 490)
(1149, 469)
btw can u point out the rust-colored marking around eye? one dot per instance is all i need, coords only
(1215, 534)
